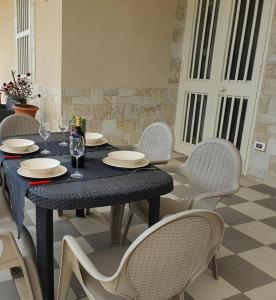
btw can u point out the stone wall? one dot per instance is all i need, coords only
(122, 114)
(262, 165)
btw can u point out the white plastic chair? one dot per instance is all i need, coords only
(16, 252)
(213, 172)
(156, 143)
(18, 124)
(159, 265)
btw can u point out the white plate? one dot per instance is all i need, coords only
(126, 157)
(112, 163)
(101, 142)
(32, 149)
(40, 166)
(93, 137)
(59, 171)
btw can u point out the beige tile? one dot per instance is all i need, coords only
(5, 275)
(90, 224)
(135, 231)
(22, 288)
(259, 231)
(170, 196)
(223, 251)
(262, 258)
(176, 183)
(254, 210)
(220, 204)
(247, 181)
(250, 194)
(206, 287)
(265, 292)
(84, 245)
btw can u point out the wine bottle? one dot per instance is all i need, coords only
(77, 131)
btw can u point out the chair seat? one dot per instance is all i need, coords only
(99, 292)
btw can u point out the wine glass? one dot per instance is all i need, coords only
(77, 148)
(44, 131)
(63, 126)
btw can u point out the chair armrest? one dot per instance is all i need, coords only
(217, 196)
(83, 259)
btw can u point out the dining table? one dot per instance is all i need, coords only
(102, 185)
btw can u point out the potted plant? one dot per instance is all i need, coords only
(19, 92)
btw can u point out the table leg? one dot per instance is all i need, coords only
(117, 213)
(45, 259)
(154, 210)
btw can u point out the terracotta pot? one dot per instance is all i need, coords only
(26, 109)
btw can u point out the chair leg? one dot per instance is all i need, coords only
(215, 267)
(65, 275)
(60, 213)
(129, 219)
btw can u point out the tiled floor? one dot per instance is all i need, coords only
(247, 257)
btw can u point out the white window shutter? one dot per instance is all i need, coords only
(23, 36)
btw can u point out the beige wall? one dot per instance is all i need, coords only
(7, 39)
(116, 43)
(48, 30)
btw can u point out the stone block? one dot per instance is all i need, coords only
(75, 92)
(83, 109)
(81, 100)
(97, 96)
(118, 111)
(109, 126)
(110, 92)
(258, 164)
(126, 92)
(271, 147)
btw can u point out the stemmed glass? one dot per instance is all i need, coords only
(77, 148)
(63, 126)
(44, 131)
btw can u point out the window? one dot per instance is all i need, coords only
(23, 36)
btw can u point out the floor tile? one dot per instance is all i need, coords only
(247, 181)
(241, 274)
(270, 221)
(233, 217)
(8, 289)
(238, 297)
(62, 228)
(206, 287)
(233, 200)
(90, 224)
(262, 258)
(180, 191)
(179, 178)
(76, 287)
(254, 210)
(250, 194)
(273, 246)
(5, 275)
(223, 251)
(258, 231)
(99, 241)
(269, 203)
(237, 241)
(266, 292)
(265, 189)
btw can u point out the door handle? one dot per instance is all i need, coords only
(222, 89)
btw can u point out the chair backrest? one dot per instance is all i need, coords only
(213, 166)
(166, 258)
(18, 124)
(157, 143)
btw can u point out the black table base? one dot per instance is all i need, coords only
(45, 251)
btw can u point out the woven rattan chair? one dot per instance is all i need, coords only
(156, 143)
(16, 252)
(18, 124)
(213, 172)
(159, 265)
